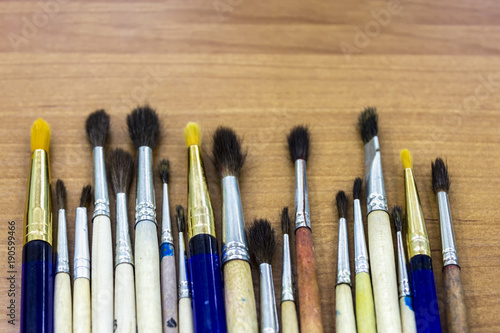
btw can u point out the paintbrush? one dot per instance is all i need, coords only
(204, 262)
(121, 171)
(307, 279)
(228, 157)
(144, 131)
(456, 311)
(97, 127)
(381, 247)
(37, 272)
(422, 277)
(263, 244)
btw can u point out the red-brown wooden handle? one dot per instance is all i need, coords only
(456, 312)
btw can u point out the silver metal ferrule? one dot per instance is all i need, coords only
(403, 280)
(145, 202)
(360, 252)
(286, 277)
(450, 256)
(343, 269)
(101, 196)
(123, 244)
(268, 311)
(62, 256)
(234, 239)
(183, 286)
(376, 198)
(166, 222)
(81, 261)
(302, 213)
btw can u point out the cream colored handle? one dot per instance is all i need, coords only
(81, 306)
(63, 320)
(185, 316)
(407, 315)
(289, 317)
(365, 311)
(344, 309)
(125, 319)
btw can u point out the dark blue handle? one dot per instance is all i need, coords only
(206, 285)
(37, 288)
(425, 300)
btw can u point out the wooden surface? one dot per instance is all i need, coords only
(263, 67)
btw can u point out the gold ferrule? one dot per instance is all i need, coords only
(38, 217)
(417, 240)
(200, 215)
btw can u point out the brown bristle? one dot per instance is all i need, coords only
(181, 219)
(285, 221)
(86, 196)
(60, 194)
(440, 179)
(356, 189)
(121, 169)
(342, 203)
(397, 217)
(368, 124)
(164, 170)
(97, 126)
(144, 127)
(227, 154)
(298, 143)
(262, 241)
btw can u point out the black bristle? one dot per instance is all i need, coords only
(285, 221)
(356, 189)
(368, 123)
(164, 170)
(121, 170)
(226, 151)
(86, 196)
(298, 143)
(60, 194)
(97, 127)
(180, 217)
(342, 203)
(144, 127)
(262, 241)
(397, 217)
(440, 179)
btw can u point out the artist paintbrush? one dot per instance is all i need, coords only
(422, 277)
(144, 130)
(241, 313)
(289, 320)
(204, 262)
(383, 268)
(121, 171)
(456, 312)
(63, 320)
(365, 310)
(37, 272)
(263, 244)
(307, 279)
(97, 127)
(81, 267)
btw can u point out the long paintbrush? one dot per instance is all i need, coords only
(289, 320)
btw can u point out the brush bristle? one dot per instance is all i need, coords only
(285, 221)
(164, 170)
(226, 151)
(440, 179)
(298, 143)
(406, 159)
(180, 217)
(121, 169)
(144, 127)
(356, 189)
(192, 134)
(97, 126)
(342, 203)
(40, 135)
(397, 218)
(60, 194)
(86, 196)
(368, 124)
(262, 241)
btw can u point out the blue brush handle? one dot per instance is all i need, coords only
(37, 298)
(206, 285)
(425, 301)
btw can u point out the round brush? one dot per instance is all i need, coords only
(289, 320)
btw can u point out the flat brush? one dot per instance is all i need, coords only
(381, 247)
(289, 320)
(307, 279)
(228, 157)
(422, 277)
(456, 311)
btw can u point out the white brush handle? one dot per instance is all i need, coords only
(147, 278)
(81, 306)
(344, 310)
(185, 316)
(125, 319)
(407, 315)
(63, 320)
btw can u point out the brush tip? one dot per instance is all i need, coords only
(60, 194)
(368, 124)
(97, 127)
(192, 134)
(121, 169)
(227, 154)
(180, 217)
(342, 203)
(357, 187)
(285, 221)
(406, 159)
(164, 170)
(40, 135)
(262, 241)
(144, 127)
(397, 217)
(440, 179)
(298, 142)
(86, 196)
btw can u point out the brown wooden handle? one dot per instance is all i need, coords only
(456, 312)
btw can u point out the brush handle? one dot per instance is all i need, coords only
(125, 317)
(168, 288)
(307, 281)
(185, 315)
(344, 309)
(241, 312)
(424, 295)
(289, 320)
(407, 315)
(81, 306)
(147, 278)
(206, 285)
(383, 269)
(456, 311)
(365, 311)
(63, 319)
(37, 288)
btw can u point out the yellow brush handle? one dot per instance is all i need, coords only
(125, 318)
(185, 316)
(62, 304)
(407, 315)
(365, 311)
(81, 306)
(289, 317)
(344, 310)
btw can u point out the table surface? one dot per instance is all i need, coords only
(261, 67)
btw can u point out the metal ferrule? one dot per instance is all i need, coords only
(166, 222)
(145, 202)
(376, 199)
(360, 252)
(81, 261)
(123, 245)
(38, 218)
(183, 286)
(343, 269)
(62, 256)
(286, 277)
(403, 280)
(234, 239)
(418, 241)
(447, 236)
(268, 312)
(101, 196)
(200, 215)
(302, 213)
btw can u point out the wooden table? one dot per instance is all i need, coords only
(262, 67)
